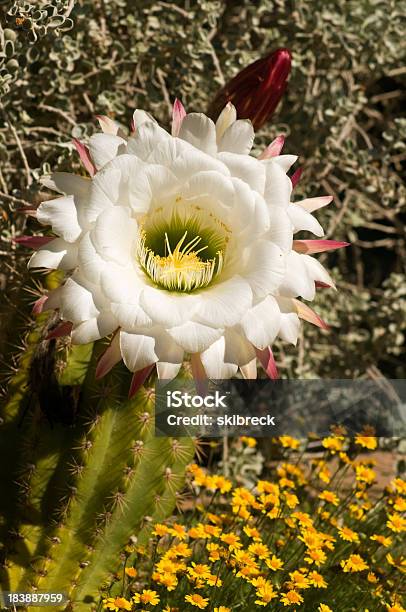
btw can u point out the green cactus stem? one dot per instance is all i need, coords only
(83, 482)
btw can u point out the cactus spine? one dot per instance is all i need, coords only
(76, 493)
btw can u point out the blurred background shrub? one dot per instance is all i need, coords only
(63, 62)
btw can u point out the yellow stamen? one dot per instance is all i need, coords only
(181, 269)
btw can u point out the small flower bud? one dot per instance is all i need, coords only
(257, 89)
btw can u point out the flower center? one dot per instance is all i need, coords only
(181, 255)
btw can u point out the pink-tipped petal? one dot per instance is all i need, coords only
(307, 314)
(138, 379)
(312, 204)
(84, 155)
(39, 305)
(107, 125)
(296, 176)
(63, 329)
(199, 375)
(33, 242)
(178, 114)
(273, 149)
(110, 357)
(308, 247)
(267, 361)
(320, 285)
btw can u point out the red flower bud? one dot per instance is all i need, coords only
(257, 89)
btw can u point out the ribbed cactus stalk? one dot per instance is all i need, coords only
(81, 472)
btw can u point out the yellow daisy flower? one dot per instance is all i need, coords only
(329, 497)
(274, 563)
(147, 597)
(354, 563)
(348, 534)
(317, 580)
(369, 442)
(160, 530)
(316, 556)
(386, 541)
(197, 600)
(291, 598)
(333, 443)
(265, 594)
(396, 522)
(289, 442)
(199, 571)
(116, 603)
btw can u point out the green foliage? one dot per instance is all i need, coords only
(342, 113)
(27, 23)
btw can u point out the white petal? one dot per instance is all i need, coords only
(210, 183)
(70, 184)
(226, 118)
(189, 161)
(303, 220)
(266, 268)
(120, 284)
(194, 337)
(93, 329)
(238, 350)
(278, 187)
(103, 194)
(140, 117)
(200, 131)
(61, 214)
(90, 262)
(262, 322)
(249, 370)
(108, 125)
(77, 302)
(137, 350)
(167, 371)
(153, 184)
(54, 299)
(105, 147)
(290, 322)
(246, 168)
(130, 316)
(290, 328)
(224, 304)
(214, 363)
(166, 308)
(55, 255)
(316, 271)
(146, 138)
(297, 280)
(281, 228)
(114, 234)
(165, 347)
(238, 138)
(285, 161)
(312, 204)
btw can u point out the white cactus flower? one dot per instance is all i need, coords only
(181, 244)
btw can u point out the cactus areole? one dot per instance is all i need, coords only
(179, 244)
